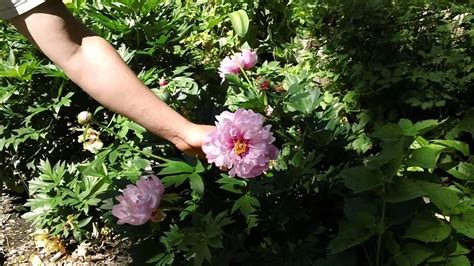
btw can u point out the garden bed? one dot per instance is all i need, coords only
(20, 246)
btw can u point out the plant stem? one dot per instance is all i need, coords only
(379, 240)
(246, 77)
(367, 255)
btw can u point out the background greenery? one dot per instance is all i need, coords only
(372, 110)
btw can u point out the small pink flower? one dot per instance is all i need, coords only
(241, 143)
(138, 202)
(232, 64)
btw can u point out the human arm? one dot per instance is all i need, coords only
(94, 65)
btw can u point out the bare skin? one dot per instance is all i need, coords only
(94, 65)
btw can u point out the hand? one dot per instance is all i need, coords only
(192, 140)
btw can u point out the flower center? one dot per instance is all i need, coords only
(240, 147)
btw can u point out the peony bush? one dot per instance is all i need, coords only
(343, 137)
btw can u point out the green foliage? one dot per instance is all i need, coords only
(369, 101)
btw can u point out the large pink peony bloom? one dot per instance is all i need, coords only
(137, 203)
(241, 143)
(232, 64)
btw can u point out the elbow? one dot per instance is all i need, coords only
(92, 50)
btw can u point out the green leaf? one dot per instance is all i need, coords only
(202, 252)
(240, 22)
(403, 189)
(196, 183)
(361, 178)
(427, 156)
(246, 204)
(84, 222)
(420, 128)
(444, 198)
(458, 261)
(387, 132)
(417, 253)
(402, 260)
(459, 250)
(426, 228)
(457, 145)
(426, 125)
(464, 171)
(361, 211)
(141, 163)
(231, 184)
(199, 168)
(349, 235)
(464, 223)
(176, 167)
(175, 180)
(113, 156)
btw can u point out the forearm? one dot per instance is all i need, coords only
(99, 70)
(95, 66)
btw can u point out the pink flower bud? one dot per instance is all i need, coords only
(263, 83)
(162, 82)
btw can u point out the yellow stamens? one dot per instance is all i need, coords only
(240, 147)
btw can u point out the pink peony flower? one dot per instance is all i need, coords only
(229, 66)
(137, 203)
(232, 64)
(248, 59)
(241, 143)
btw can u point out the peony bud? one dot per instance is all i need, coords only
(162, 82)
(84, 118)
(263, 83)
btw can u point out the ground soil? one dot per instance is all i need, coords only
(17, 246)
